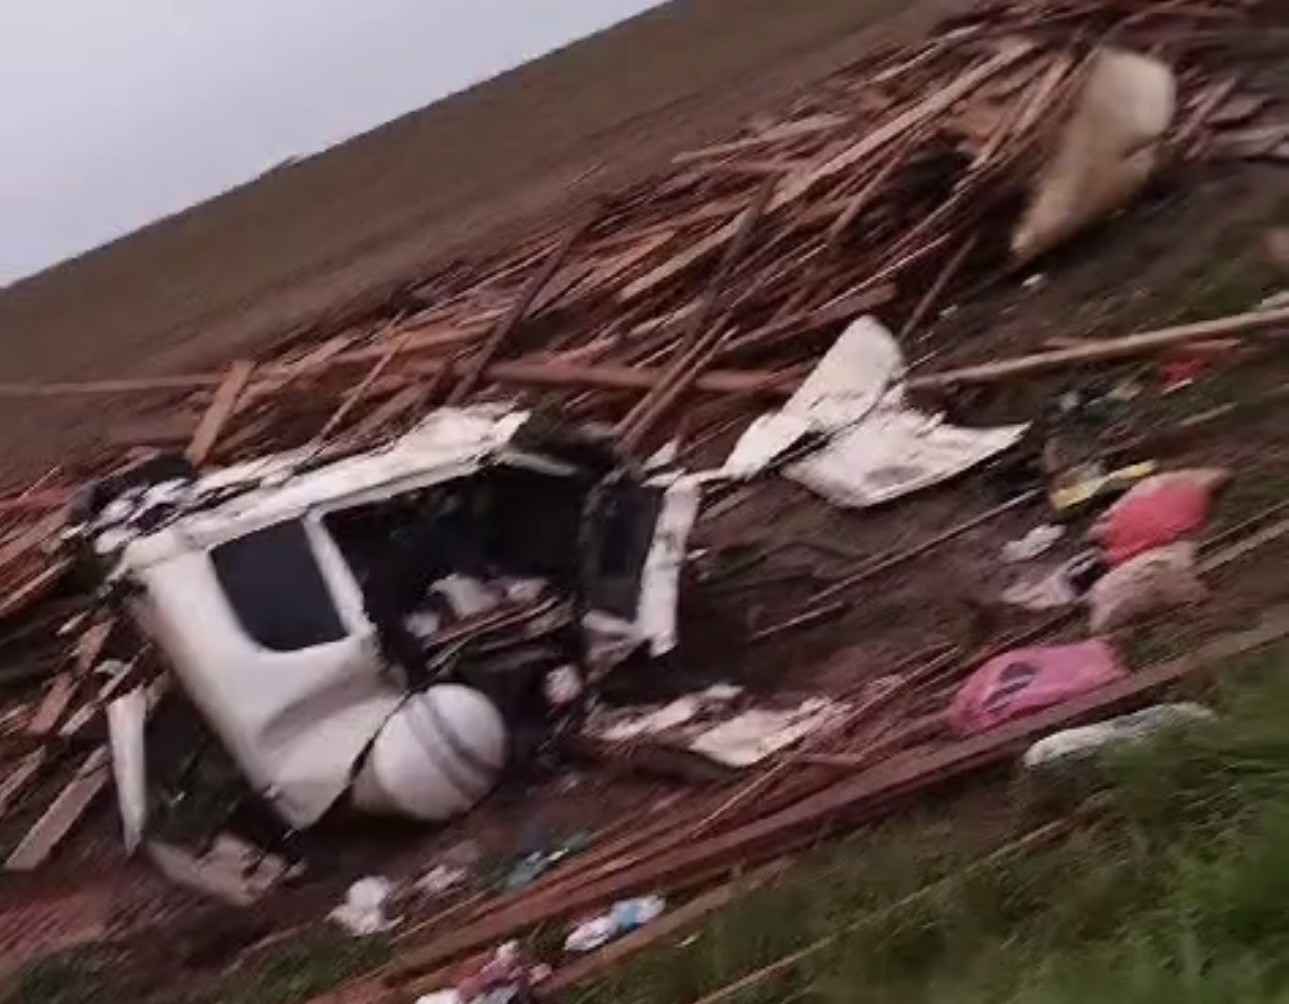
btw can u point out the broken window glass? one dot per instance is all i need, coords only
(276, 589)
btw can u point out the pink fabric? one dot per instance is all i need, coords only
(1026, 680)
(1156, 512)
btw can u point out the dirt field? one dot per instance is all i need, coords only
(231, 272)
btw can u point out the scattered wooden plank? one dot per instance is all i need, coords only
(92, 777)
(795, 188)
(476, 368)
(220, 411)
(1108, 350)
(33, 588)
(356, 394)
(88, 649)
(71, 804)
(943, 99)
(697, 348)
(52, 707)
(602, 376)
(20, 777)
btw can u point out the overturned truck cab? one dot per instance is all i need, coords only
(388, 629)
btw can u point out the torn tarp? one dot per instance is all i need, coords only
(878, 447)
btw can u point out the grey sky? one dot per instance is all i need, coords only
(115, 112)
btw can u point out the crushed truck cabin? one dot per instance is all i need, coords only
(389, 630)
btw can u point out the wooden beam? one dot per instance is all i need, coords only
(220, 411)
(21, 776)
(50, 711)
(356, 394)
(478, 366)
(697, 348)
(1108, 350)
(49, 830)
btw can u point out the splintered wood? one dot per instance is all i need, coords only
(687, 303)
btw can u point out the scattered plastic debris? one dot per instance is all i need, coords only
(754, 735)
(1081, 744)
(631, 724)
(626, 915)
(440, 880)
(1058, 587)
(535, 863)
(1158, 511)
(1049, 591)
(362, 913)
(704, 723)
(1090, 484)
(504, 977)
(1160, 579)
(1026, 680)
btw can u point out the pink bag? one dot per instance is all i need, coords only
(1026, 680)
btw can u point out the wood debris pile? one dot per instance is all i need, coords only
(676, 310)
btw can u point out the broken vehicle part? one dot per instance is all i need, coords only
(287, 599)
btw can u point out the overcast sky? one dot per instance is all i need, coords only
(115, 112)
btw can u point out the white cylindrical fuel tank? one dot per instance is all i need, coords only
(436, 757)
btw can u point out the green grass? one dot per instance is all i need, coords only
(1178, 891)
(292, 971)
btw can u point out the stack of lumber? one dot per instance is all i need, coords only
(677, 309)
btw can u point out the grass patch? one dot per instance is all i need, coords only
(309, 963)
(292, 971)
(1176, 892)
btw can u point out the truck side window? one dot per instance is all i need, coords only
(276, 589)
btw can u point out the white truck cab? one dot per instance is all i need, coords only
(284, 596)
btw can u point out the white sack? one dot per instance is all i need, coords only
(1107, 152)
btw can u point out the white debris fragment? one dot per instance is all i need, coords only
(362, 913)
(653, 722)
(440, 879)
(1035, 543)
(126, 718)
(749, 738)
(1049, 591)
(876, 447)
(1082, 743)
